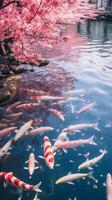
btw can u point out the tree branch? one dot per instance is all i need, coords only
(15, 1)
(35, 12)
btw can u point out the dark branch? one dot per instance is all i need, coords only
(35, 12)
(4, 6)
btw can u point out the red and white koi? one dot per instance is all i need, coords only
(90, 163)
(31, 164)
(27, 106)
(73, 143)
(48, 98)
(37, 121)
(8, 177)
(48, 153)
(57, 113)
(32, 91)
(86, 107)
(78, 127)
(109, 186)
(5, 131)
(40, 130)
(23, 130)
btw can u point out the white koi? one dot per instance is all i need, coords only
(31, 164)
(4, 150)
(23, 130)
(72, 177)
(78, 127)
(90, 163)
(40, 130)
(109, 186)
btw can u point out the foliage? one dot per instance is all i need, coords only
(31, 23)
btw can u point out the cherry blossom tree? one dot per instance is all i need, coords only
(24, 24)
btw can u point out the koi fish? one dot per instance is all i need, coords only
(32, 91)
(40, 130)
(23, 130)
(48, 153)
(37, 121)
(57, 113)
(74, 143)
(48, 98)
(78, 127)
(90, 163)
(27, 105)
(71, 177)
(10, 107)
(4, 150)
(15, 116)
(109, 186)
(8, 177)
(31, 164)
(80, 91)
(5, 131)
(86, 107)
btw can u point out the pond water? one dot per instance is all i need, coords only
(84, 63)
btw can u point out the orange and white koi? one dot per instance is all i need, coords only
(48, 98)
(57, 113)
(40, 130)
(109, 186)
(8, 177)
(31, 164)
(48, 153)
(86, 107)
(27, 106)
(73, 143)
(5, 131)
(23, 130)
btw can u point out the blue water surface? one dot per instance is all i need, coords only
(82, 62)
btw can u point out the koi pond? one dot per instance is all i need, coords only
(74, 89)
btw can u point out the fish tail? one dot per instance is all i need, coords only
(96, 126)
(90, 175)
(104, 151)
(37, 189)
(91, 140)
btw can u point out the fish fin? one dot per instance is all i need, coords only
(54, 153)
(26, 161)
(8, 153)
(5, 184)
(90, 175)
(71, 183)
(90, 168)
(65, 151)
(26, 168)
(69, 173)
(36, 197)
(31, 127)
(91, 140)
(37, 167)
(36, 161)
(30, 177)
(96, 126)
(37, 189)
(42, 157)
